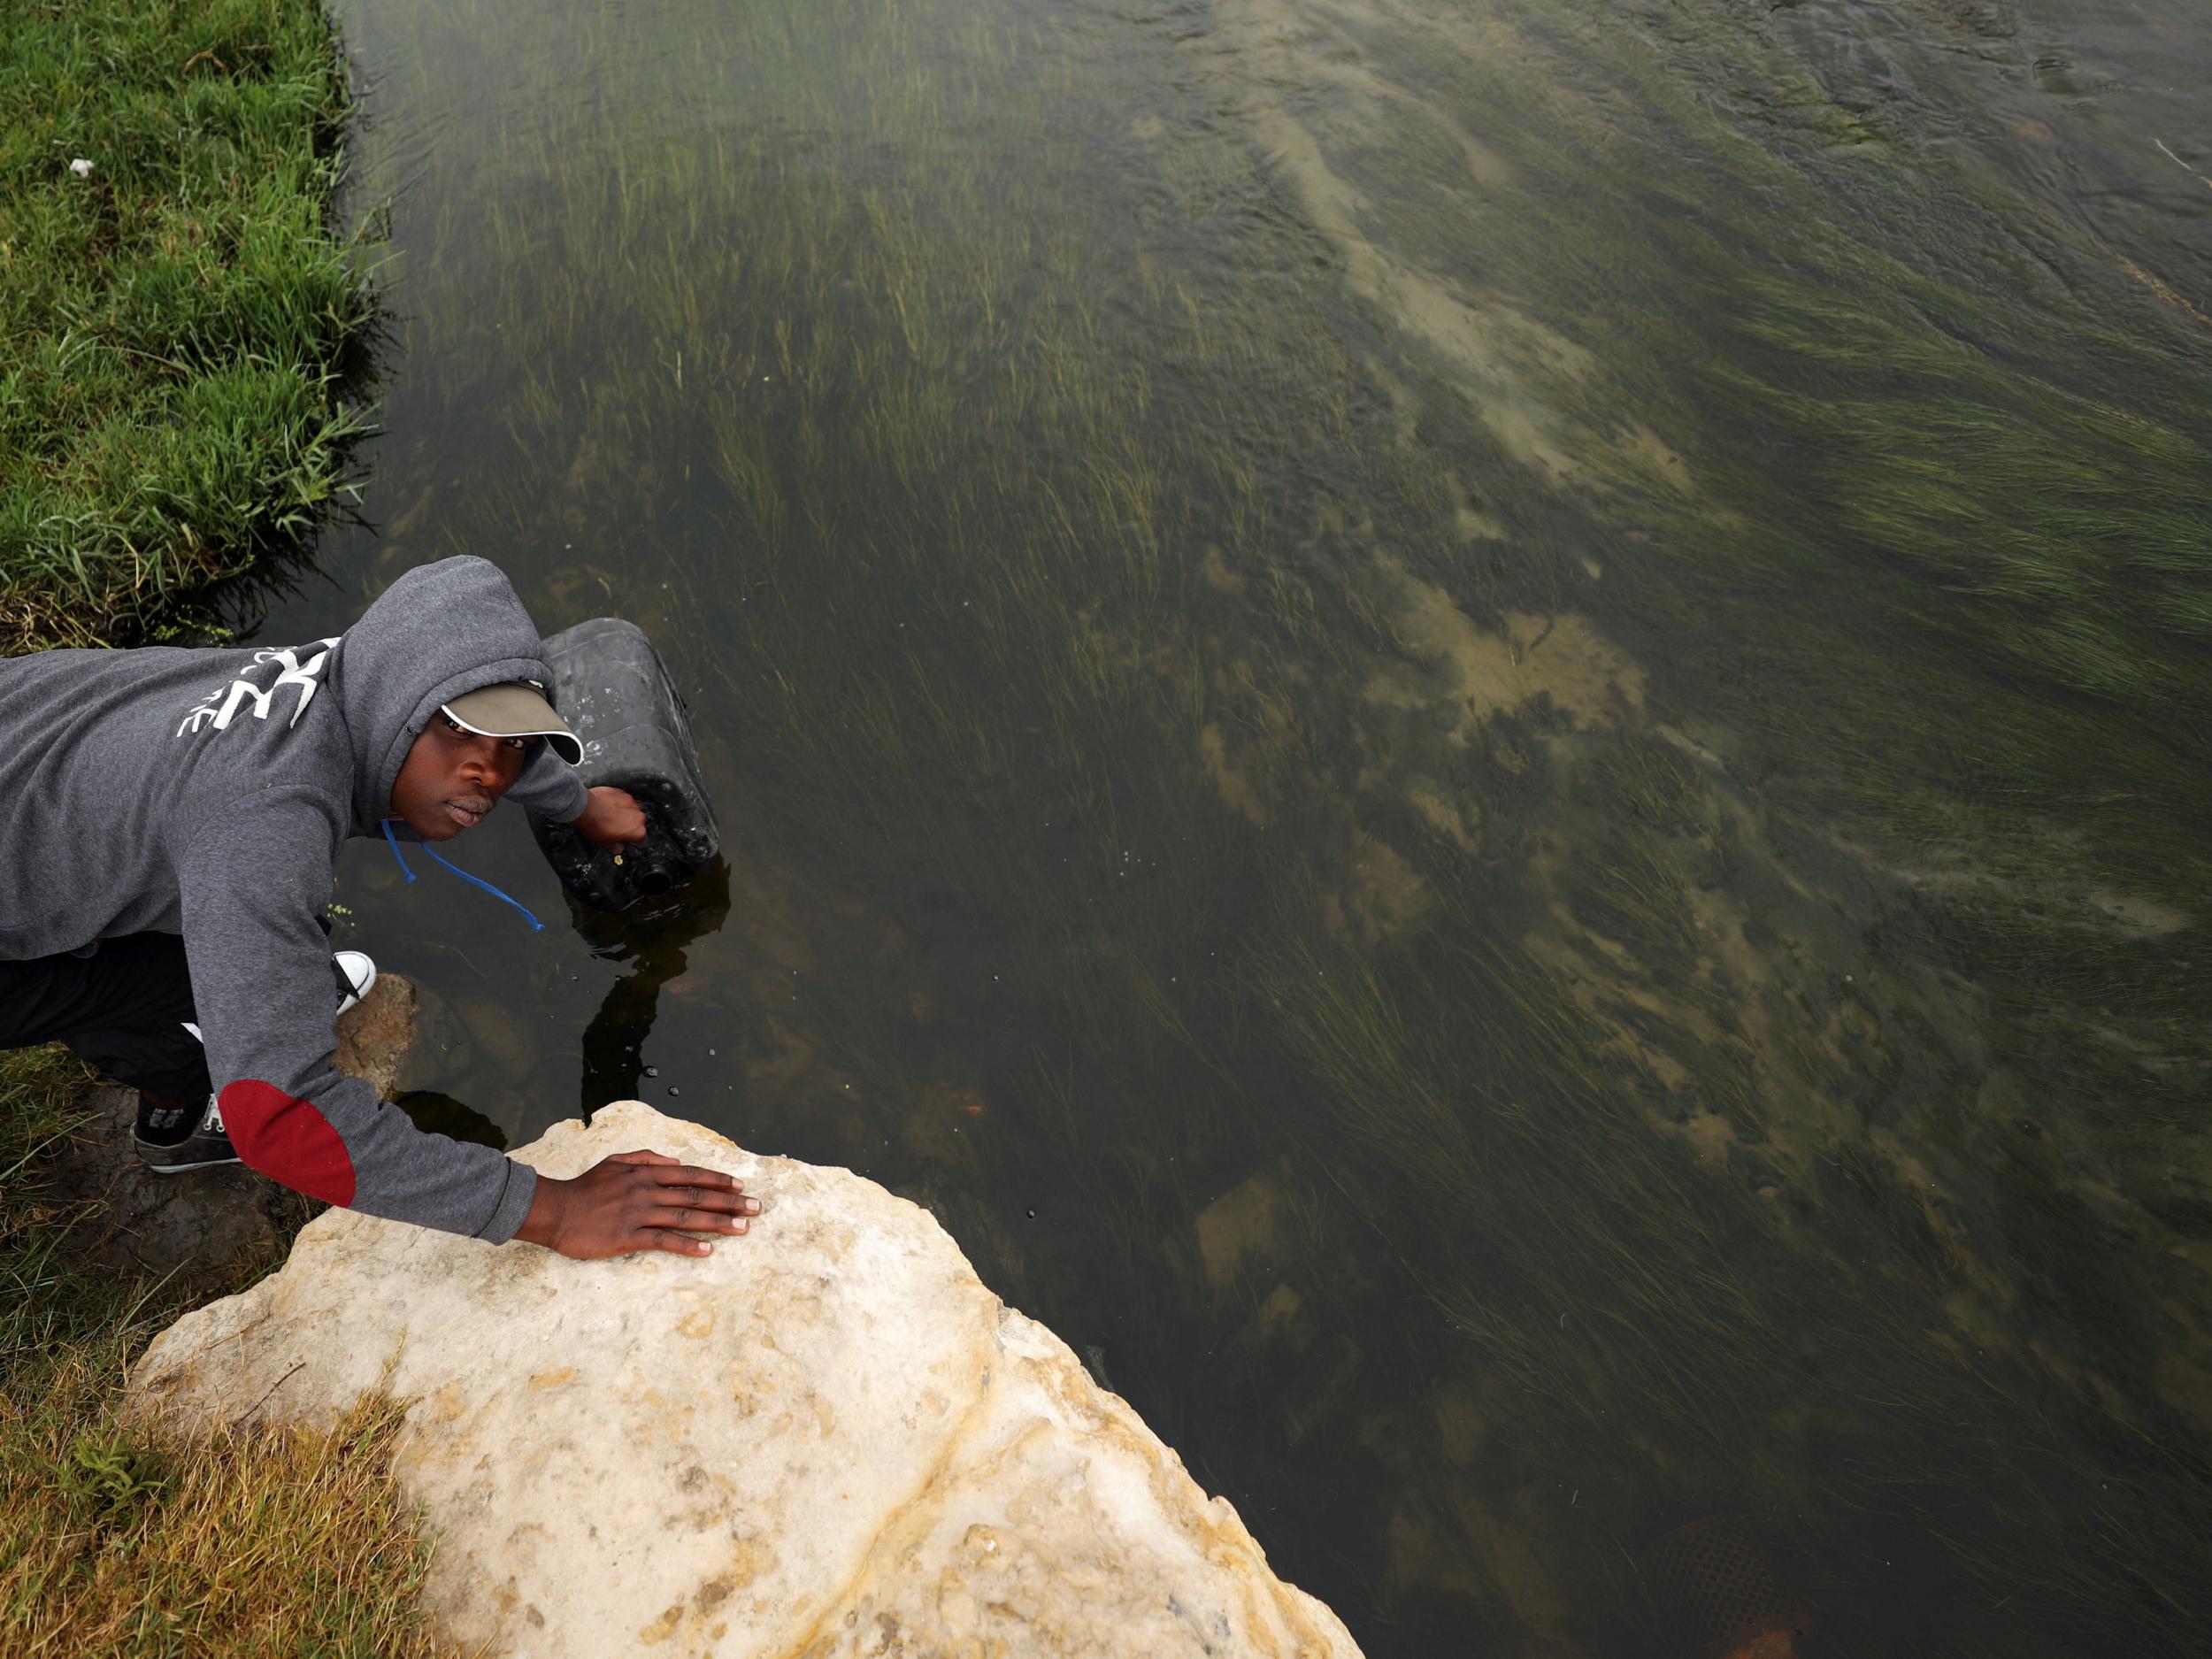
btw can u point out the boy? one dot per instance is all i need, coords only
(169, 822)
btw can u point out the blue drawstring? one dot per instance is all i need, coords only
(536, 926)
(394, 839)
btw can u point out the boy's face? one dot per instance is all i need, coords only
(452, 777)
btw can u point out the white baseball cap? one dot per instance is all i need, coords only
(514, 708)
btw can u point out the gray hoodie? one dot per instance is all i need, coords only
(205, 793)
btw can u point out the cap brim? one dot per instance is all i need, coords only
(514, 710)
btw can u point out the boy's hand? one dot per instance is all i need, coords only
(610, 815)
(636, 1200)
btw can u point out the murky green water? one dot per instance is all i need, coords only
(1478, 729)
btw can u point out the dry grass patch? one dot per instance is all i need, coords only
(118, 1537)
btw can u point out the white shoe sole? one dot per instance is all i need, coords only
(186, 1169)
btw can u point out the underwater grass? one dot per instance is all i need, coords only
(1680, 1118)
(178, 318)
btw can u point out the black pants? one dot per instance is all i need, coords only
(122, 1009)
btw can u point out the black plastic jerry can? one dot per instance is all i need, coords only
(611, 689)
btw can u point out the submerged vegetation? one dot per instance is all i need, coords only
(1517, 688)
(176, 311)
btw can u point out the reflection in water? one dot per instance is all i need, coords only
(1470, 726)
(650, 936)
(441, 1114)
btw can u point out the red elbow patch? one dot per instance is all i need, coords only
(286, 1140)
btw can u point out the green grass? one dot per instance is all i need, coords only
(175, 321)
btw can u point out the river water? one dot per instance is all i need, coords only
(1476, 728)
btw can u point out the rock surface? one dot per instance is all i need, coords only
(375, 1036)
(827, 1438)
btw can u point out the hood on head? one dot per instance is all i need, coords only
(439, 630)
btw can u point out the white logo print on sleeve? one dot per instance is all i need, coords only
(290, 672)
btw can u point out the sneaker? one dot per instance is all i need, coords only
(356, 975)
(204, 1148)
(207, 1145)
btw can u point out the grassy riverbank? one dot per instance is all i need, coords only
(177, 316)
(176, 311)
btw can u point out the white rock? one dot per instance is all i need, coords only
(81, 167)
(827, 1438)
